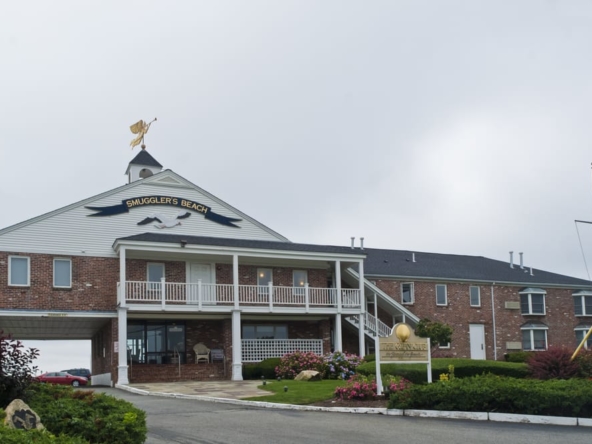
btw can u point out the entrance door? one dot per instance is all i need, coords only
(477, 335)
(201, 272)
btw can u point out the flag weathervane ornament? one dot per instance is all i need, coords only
(140, 128)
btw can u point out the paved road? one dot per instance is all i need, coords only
(189, 421)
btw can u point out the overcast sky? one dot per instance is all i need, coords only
(454, 127)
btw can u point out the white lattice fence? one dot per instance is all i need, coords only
(255, 350)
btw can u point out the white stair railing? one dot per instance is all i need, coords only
(371, 325)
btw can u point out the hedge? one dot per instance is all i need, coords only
(463, 368)
(487, 393)
(95, 417)
(265, 368)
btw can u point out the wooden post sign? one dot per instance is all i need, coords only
(402, 347)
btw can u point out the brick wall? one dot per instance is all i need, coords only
(459, 314)
(94, 285)
(282, 277)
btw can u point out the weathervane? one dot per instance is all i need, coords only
(140, 128)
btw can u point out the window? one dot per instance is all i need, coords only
(583, 303)
(299, 279)
(155, 274)
(581, 332)
(19, 268)
(445, 345)
(156, 342)
(534, 336)
(407, 296)
(265, 331)
(532, 301)
(441, 297)
(475, 296)
(264, 277)
(62, 273)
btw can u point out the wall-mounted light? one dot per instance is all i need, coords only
(183, 243)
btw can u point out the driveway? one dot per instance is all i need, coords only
(173, 420)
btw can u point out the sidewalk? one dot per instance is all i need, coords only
(211, 389)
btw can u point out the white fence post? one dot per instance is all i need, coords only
(270, 289)
(162, 292)
(199, 295)
(306, 296)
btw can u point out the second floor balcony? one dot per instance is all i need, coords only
(179, 296)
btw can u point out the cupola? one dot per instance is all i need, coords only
(142, 166)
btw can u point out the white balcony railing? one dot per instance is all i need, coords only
(201, 294)
(255, 350)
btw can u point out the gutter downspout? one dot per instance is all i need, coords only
(493, 320)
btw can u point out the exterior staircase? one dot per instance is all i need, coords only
(372, 325)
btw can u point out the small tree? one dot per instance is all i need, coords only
(16, 369)
(438, 332)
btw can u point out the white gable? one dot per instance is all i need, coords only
(166, 196)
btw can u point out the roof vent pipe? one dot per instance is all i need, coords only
(352, 244)
(413, 257)
(511, 259)
(521, 263)
(531, 272)
(362, 243)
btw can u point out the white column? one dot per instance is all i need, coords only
(235, 279)
(122, 283)
(338, 335)
(338, 284)
(122, 378)
(237, 365)
(361, 333)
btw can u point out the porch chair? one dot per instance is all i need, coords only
(201, 352)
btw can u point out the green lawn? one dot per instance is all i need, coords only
(299, 392)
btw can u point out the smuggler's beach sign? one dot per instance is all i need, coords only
(184, 204)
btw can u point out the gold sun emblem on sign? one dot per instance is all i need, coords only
(402, 332)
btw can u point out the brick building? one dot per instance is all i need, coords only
(149, 270)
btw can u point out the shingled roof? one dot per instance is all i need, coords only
(241, 243)
(399, 264)
(144, 158)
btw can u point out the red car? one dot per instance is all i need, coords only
(62, 378)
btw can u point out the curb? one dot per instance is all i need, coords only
(472, 416)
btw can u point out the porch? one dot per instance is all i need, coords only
(143, 295)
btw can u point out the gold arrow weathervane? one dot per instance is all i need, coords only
(140, 128)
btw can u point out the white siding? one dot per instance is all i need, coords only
(73, 232)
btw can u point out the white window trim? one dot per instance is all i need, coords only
(529, 294)
(582, 295)
(445, 295)
(28, 284)
(149, 282)
(412, 290)
(585, 331)
(531, 329)
(294, 276)
(63, 259)
(444, 347)
(478, 294)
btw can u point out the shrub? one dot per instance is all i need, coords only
(358, 387)
(488, 393)
(339, 365)
(16, 369)
(521, 356)
(370, 358)
(265, 368)
(16, 436)
(438, 332)
(96, 417)
(293, 363)
(584, 362)
(554, 363)
(463, 368)
(395, 383)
